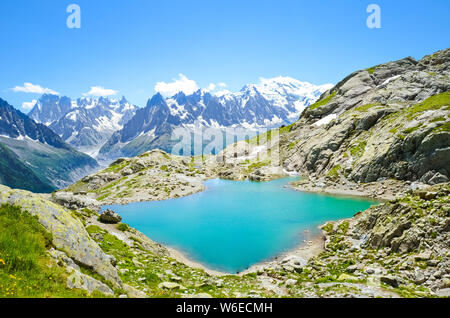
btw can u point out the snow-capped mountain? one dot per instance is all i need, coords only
(50, 108)
(269, 104)
(88, 123)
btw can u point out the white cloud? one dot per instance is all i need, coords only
(211, 87)
(222, 93)
(100, 91)
(29, 105)
(31, 88)
(182, 84)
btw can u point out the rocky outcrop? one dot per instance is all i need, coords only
(390, 121)
(154, 175)
(69, 234)
(405, 227)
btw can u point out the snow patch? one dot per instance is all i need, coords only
(325, 120)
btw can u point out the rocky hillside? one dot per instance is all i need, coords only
(389, 121)
(17, 175)
(154, 175)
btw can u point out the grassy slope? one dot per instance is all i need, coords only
(26, 270)
(15, 174)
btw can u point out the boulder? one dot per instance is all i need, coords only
(68, 232)
(438, 178)
(82, 281)
(110, 217)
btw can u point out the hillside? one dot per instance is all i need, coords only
(15, 174)
(42, 151)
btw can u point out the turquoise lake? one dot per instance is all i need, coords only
(235, 224)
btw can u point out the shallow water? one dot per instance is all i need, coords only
(235, 224)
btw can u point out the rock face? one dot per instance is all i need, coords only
(76, 279)
(404, 228)
(68, 232)
(110, 217)
(390, 121)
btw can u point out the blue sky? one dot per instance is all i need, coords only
(130, 46)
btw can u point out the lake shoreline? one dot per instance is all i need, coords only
(305, 250)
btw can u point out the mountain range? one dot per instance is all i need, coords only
(56, 143)
(86, 123)
(272, 103)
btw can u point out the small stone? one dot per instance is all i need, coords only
(352, 268)
(390, 280)
(423, 256)
(176, 279)
(290, 282)
(123, 296)
(433, 262)
(171, 286)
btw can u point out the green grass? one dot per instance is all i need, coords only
(393, 130)
(371, 70)
(358, 150)
(286, 129)
(366, 107)
(322, 102)
(257, 165)
(412, 129)
(440, 118)
(444, 127)
(26, 270)
(435, 102)
(123, 227)
(334, 172)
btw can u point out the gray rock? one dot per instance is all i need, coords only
(390, 280)
(68, 232)
(438, 178)
(445, 292)
(81, 281)
(109, 216)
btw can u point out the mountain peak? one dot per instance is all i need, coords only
(157, 99)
